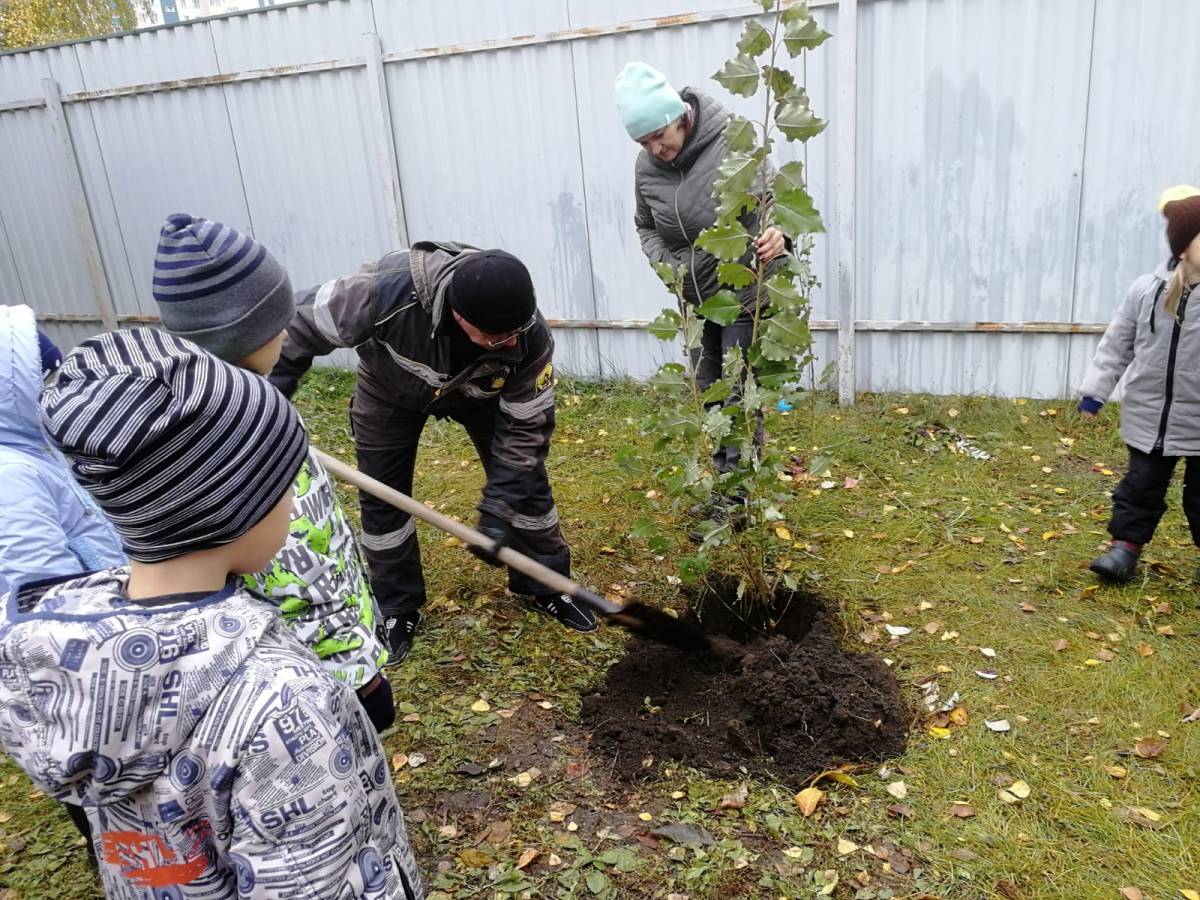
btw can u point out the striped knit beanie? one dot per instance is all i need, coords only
(183, 452)
(219, 288)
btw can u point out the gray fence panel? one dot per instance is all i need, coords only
(21, 74)
(971, 133)
(1010, 153)
(166, 153)
(42, 238)
(1139, 141)
(292, 35)
(314, 196)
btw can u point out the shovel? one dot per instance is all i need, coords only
(636, 617)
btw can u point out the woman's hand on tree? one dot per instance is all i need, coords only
(769, 244)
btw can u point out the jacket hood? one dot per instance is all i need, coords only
(20, 378)
(100, 696)
(711, 117)
(433, 264)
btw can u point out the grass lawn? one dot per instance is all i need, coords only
(984, 560)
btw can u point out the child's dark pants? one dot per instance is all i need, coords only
(1140, 499)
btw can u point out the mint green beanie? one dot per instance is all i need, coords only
(645, 100)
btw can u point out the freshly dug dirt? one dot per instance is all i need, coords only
(789, 703)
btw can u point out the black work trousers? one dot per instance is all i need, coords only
(1139, 501)
(715, 341)
(386, 438)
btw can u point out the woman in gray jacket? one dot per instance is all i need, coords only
(682, 135)
(1155, 338)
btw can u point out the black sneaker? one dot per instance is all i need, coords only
(397, 633)
(573, 615)
(1118, 563)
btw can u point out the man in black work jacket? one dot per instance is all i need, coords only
(448, 330)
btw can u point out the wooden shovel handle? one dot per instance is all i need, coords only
(507, 555)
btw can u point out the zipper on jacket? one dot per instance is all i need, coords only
(1169, 391)
(683, 231)
(409, 894)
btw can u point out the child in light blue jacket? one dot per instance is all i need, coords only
(50, 526)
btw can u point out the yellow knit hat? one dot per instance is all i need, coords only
(1179, 192)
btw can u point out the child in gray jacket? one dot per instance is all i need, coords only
(213, 755)
(1154, 338)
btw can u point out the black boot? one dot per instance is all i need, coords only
(573, 615)
(1118, 563)
(397, 633)
(719, 510)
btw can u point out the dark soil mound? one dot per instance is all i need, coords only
(790, 703)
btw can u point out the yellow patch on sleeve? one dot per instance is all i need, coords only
(545, 379)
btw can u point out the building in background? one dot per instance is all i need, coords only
(168, 12)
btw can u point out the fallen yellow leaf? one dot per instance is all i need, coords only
(782, 533)
(845, 847)
(1189, 894)
(809, 799)
(937, 732)
(480, 706)
(1116, 771)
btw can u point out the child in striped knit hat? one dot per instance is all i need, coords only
(1155, 335)
(213, 755)
(225, 292)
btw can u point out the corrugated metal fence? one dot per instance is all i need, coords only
(988, 180)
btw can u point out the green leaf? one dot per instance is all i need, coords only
(796, 120)
(793, 209)
(667, 273)
(722, 307)
(801, 32)
(622, 858)
(784, 336)
(781, 293)
(755, 39)
(597, 882)
(735, 275)
(740, 135)
(717, 424)
(644, 529)
(731, 206)
(666, 326)
(781, 80)
(693, 330)
(725, 242)
(630, 462)
(719, 390)
(795, 214)
(736, 174)
(670, 375)
(692, 568)
(739, 75)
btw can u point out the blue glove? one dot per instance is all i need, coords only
(1090, 405)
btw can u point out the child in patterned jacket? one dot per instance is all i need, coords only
(225, 292)
(213, 755)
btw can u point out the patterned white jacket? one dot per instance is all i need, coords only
(215, 758)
